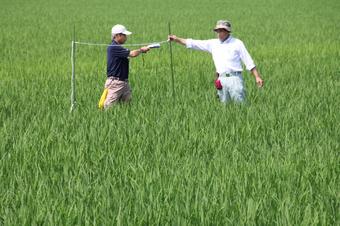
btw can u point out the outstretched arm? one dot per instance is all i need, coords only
(203, 45)
(179, 40)
(137, 52)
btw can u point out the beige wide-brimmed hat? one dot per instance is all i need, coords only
(223, 24)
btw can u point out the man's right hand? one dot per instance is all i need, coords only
(172, 37)
(137, 52)
(181, 41)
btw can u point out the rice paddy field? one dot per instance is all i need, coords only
(169, 158)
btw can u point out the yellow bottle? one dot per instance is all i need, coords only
(102, 99)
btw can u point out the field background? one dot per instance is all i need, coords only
(164, 161)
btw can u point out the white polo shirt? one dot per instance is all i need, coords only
(227, 55)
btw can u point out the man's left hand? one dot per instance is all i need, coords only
(259, 81)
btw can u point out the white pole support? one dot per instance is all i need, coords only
(73, 78)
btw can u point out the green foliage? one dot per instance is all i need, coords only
(164, 161)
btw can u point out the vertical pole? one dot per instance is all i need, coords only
(172, 66)
(73, 79)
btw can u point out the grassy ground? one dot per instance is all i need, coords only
(161, 160)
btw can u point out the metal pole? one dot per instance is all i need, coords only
(172, 66)
(73, 79)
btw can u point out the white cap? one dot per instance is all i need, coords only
(120, 29)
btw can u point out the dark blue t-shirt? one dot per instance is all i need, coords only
(117, 61)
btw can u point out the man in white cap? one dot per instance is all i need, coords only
(118, 67)
(228, 53)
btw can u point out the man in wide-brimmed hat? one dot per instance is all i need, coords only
(228, 53)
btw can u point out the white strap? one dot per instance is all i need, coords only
(99, 44)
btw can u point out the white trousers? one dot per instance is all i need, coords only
(232, 88)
